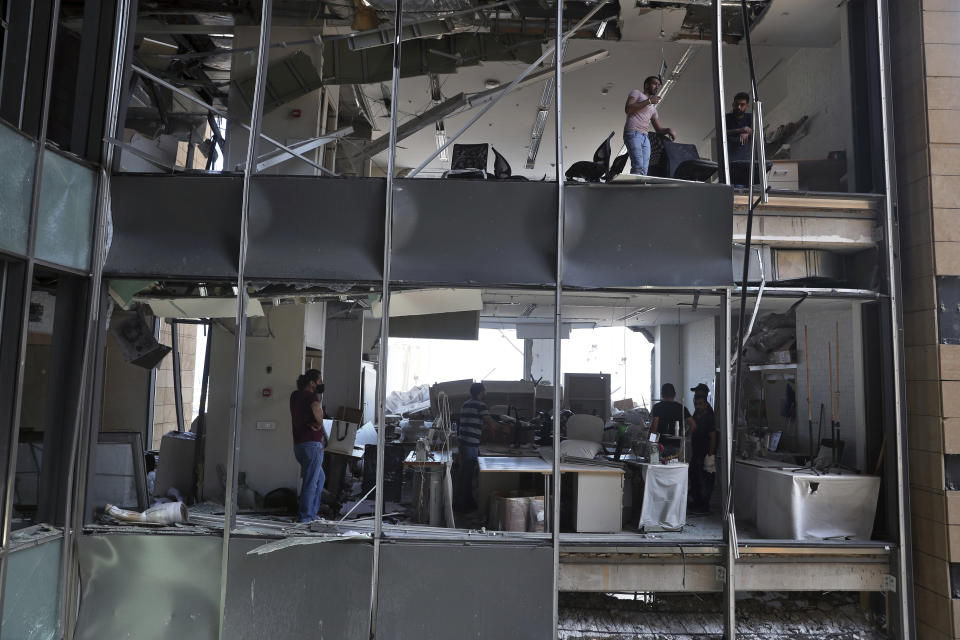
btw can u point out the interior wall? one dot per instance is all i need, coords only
(279, 123)
(697, 349)
(811, 82)
(342, 351)
(668, 362)
(821, 326)
(540, 359)
(266, 455)
(315, 322)
(126, 393)
(219, 409)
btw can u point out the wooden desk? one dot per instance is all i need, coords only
(599, 492)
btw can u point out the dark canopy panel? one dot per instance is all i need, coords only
(175, 226)
(492, 575)
(665, 235)
(303, 227)
(483, 232)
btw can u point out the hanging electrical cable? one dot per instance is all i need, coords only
(738, 375)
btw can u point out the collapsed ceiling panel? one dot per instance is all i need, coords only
(699, 18)
(341, 65)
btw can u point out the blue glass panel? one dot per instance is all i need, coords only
(17, 163)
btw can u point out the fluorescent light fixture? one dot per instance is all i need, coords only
(441, 136)
(635, 313)
(601, 29)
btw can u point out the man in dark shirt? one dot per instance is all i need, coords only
(703, 440)
(668, 411)
(306, 416)
(473, 415)
(739, 128)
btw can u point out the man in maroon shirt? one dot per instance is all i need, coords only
(306, 415)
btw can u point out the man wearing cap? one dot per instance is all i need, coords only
(703, 440)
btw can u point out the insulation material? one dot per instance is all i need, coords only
(801, 505)
(766, 616)
(664, 497)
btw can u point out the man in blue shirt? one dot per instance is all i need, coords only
(473, 415)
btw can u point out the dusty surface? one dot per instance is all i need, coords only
(770, 616)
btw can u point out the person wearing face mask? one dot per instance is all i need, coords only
(703, 462)
(309, 438)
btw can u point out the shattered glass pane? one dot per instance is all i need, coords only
(32, 592)
(65, 216)
(16, 186)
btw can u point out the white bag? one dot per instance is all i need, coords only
(340, 436)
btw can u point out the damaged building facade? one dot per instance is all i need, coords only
(204, 199)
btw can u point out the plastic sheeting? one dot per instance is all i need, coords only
(664, 497)
(800, 505)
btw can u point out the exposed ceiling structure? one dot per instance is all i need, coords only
(454, 47)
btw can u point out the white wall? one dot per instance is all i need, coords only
(278, 123)
(668, 360)
(811, 82)
(265, 456)
(315, 322)
(698, 348)
(342, 354)
(822, 327)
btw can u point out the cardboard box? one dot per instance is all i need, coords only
(624, 405)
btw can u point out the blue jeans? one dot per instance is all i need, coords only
(310, 457)
(463, 493)
(638, 146)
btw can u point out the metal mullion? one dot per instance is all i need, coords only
(26, 65)
(904, 588)
(25, 311)
(233, 437)
(385, 322)
(80, 273)
(177, 381)
(729, 531)
(723, 158)
(93, 359)
(729, 522)
(557, 316)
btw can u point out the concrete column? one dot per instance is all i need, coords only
(538, 359)
(342, 353)
(668, 366)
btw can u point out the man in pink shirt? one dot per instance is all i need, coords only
(641, 112)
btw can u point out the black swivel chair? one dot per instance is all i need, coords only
(670, 159)
(592, 171)
(468, 162)
(502, 170)
(617, 167)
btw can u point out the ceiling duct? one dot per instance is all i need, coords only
(342, 65)
(287, 80)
